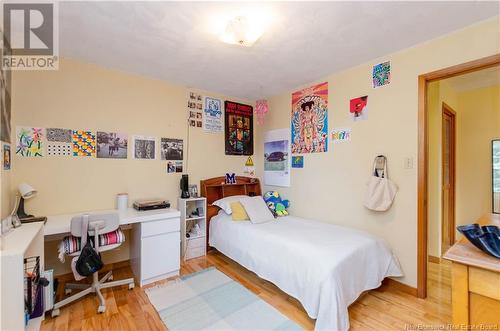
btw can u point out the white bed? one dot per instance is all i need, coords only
(326, 267)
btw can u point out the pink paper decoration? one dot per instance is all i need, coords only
(261, 108)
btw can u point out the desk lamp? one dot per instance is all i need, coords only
(25, 192)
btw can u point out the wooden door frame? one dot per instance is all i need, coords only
(423, 81)
(446, 109)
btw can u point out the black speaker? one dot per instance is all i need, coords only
(184, 186)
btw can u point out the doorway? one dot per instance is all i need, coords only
(423, 131)
(448, 185)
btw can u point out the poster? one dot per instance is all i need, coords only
(297, 161)
(341, 135)
(358, 107)
(381, 74)
(310, 120)
(174, 166)
(277, 157)
(144, 147)
(59, 142)
(29, 141)
(6, 156)
(238, 128)
(84, 143)
(171, 149)
(213, 115)
(195, 109)
(112, 145)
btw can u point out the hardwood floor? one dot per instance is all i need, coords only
(386, 308)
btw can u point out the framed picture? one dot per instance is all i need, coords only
(238, 128)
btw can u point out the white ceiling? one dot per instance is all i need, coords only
(474, 80)
(306, 40)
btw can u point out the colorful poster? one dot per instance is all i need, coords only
(112, 145)
(29, 141)
(213, 115)
(171, 149)
(310, 120)
(83, 143)
(358, 107)
(59, 142)
(341, 135)
(277, 161)
(6, 156)
(297, 161)
(238, 128)
(381, 74)
(144, 147)
(195, 109)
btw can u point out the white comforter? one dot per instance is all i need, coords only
(326, 267)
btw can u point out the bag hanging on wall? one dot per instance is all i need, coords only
(381, 191)
(89, 260)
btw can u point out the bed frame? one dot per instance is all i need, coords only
(215, 188)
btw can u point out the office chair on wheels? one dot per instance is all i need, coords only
(97, 225)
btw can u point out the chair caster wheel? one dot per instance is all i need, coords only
(101, 309)
(131, 286)
(55, 312)
(67, 291)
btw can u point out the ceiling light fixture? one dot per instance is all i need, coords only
(243, 30)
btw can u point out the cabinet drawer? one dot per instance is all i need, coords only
(154, 228)
(160, 255)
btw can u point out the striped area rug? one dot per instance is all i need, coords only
(210, 300)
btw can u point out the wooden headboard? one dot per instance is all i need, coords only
(215, 188)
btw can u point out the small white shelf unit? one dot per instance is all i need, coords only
(193, 211)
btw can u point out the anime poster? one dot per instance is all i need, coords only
(213, 115)
(29, 141)
(239, 128)
(358, 107)
(310, 120)
(381, 74)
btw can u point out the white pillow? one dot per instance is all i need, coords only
(257, 210)
(225, 203)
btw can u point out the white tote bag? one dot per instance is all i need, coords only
(381, 191)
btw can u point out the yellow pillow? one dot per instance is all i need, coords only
(239, 212)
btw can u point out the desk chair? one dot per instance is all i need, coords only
(97, 224)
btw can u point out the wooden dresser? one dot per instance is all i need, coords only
(475, 282)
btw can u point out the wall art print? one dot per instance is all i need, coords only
(84, 143)
(59, 142)
(29, 141)
(381, 74)
(238, 128)
(310, 119)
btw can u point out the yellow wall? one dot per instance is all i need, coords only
(331, 185)
(478, 124)
(85, 96)
(438, 92)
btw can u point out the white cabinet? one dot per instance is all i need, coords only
(155, 250)
(194, 223)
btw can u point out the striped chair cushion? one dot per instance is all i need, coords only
(72, 244)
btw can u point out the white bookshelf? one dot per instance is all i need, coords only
(195, 245)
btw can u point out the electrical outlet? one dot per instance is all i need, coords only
(408, 162)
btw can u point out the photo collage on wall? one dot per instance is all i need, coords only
(172, 150)
(195, 109)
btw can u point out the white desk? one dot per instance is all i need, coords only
(154, 243)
